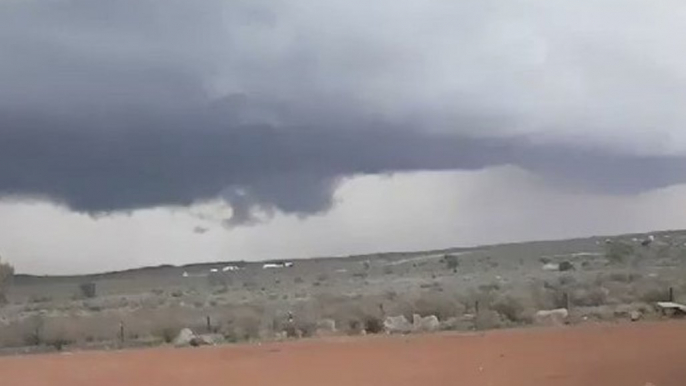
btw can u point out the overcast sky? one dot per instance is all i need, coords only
(140, 132)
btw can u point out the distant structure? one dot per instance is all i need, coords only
(648, 241)
(285, 264)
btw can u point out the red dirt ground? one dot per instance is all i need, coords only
(603, 355)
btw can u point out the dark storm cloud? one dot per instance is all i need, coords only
(109, 106)
(103, 165)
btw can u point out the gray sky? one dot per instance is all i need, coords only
(279, 119)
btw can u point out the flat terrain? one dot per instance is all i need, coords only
(596, 278)
(604, 355)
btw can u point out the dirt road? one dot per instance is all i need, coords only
(603, 355)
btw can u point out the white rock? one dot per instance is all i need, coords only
(206, 340)
(397, 324)
(555, 317)
(184, 338)
(426, 324)
(551, 267)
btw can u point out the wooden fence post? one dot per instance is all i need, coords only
(476, 314)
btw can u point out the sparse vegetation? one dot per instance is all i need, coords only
(154, 309)
(619, 252)
(219, 279)
(6, 274)
(39, 299)
(654, 294)
(566, 280)
(168, 334)
(566, 266)
(590, 296)
(88, 290)
(512, 309)
(34, 335)
(442, 305)
(59, 342)
(373, 325)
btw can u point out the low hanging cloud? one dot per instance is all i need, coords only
(116, 106)
(94, 169)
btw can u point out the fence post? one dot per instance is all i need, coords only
(121, 332)
(671, 294)
(476, 314)
(209, 324)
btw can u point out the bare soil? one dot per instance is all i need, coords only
(605, 355)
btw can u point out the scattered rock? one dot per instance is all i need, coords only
(671, 309)
(551, 267)
(555, 317)
(206, 340)
(184, 338)
(281, 335)
(397, 325)
(635, 315)
(198, 341)
(425, 324)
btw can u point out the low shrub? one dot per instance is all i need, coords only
(512, 309)
(373, 325)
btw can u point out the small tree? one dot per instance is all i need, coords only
(452, 262)
(88, 290)
(6, 274)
